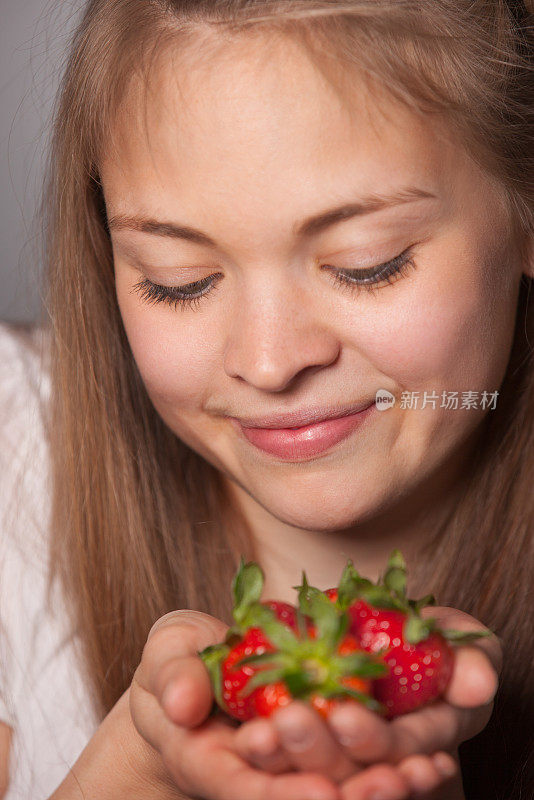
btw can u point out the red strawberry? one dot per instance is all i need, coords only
(235, 677)
(276, 652)
(285, 612)
(419, 673)
(270, 697)
(386, 622)
(324, 705)
(265, 699)
(358, 610)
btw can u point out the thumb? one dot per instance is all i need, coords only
(203, 629)
(172, 670)
(477, 665)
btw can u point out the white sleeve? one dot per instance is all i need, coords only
(43, 690)
(24, 389)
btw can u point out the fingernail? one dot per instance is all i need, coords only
(297, 738)
(348, 736)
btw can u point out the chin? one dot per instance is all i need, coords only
(320, 513)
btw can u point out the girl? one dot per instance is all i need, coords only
(265, 215)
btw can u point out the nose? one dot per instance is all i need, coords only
(276, 337)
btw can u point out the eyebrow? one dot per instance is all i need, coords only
(309, 227)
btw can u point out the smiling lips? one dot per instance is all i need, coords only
(295, 444)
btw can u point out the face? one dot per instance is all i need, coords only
(242, 149)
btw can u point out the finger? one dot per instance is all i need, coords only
(309, 743)
(447, 765)
(187, 631)
(228, 776)
(172, 671)
(474, 681)
(184, 691)
(429, 775)
(481, 659)
(238, 781)
(379, 782)
(438, 726)
(185, 754)
(365, 737)
(257, 742)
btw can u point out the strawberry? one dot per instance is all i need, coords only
(263, 700)
(285, 612)
(386, 622)
(275, 652)
(325, 705)
(419, 673)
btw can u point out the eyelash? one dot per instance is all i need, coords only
(352, 280)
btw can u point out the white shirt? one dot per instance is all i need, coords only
(42, 694)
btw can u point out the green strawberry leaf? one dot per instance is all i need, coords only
(396, 560)
(380, 597)
(301, 624)
(247, 586)
(260, 616)
(347, 589)
(417, 605)
(305, 593)
(213, 656)
(415, 629)
(304, 583)
(360, 665)
(263, 678)
(351, 587)
(345, 691)
(331, 623)
(464, 636)
(280, 659)
(395, 581)
(298, 682)
(395, 577)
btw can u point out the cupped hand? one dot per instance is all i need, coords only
(171, 698)
(170, 701)
(419, 748)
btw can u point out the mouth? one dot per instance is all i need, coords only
(301, 418)
(306, 441)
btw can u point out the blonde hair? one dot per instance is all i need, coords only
(140, 522)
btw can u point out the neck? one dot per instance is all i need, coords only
(407, 523)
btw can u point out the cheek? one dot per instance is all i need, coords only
(175, 360)
(438, 332)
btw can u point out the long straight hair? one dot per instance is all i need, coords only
(140, 522)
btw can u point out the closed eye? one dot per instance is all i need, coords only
(190, 295)
(373, 277)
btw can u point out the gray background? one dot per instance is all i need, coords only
(33, 38)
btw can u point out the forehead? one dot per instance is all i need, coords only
(255, 117)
